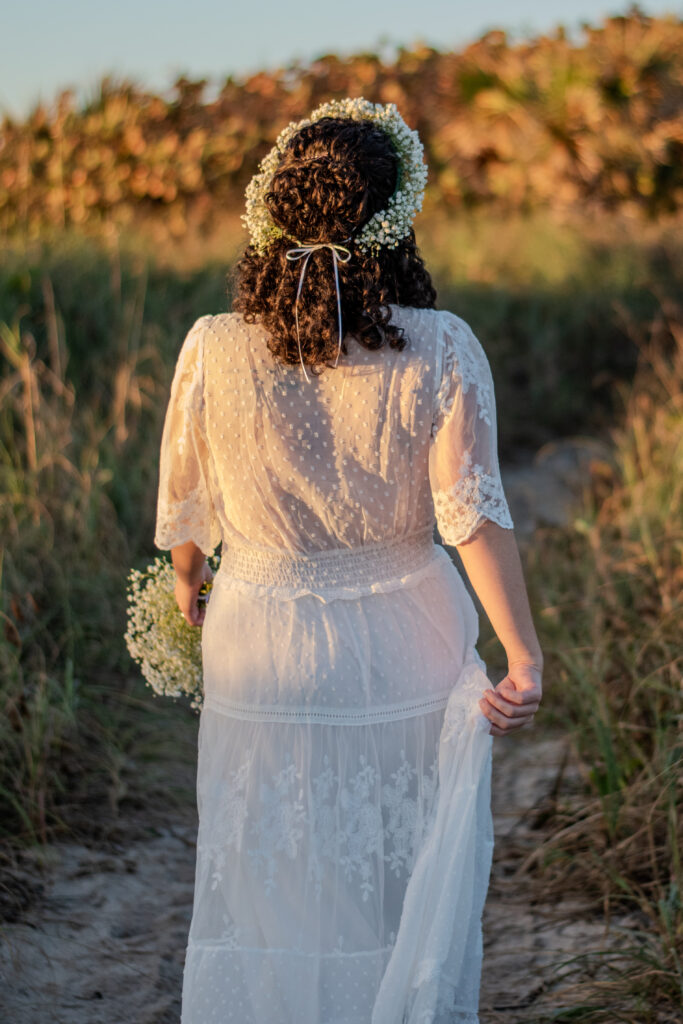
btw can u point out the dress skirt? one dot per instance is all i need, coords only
(343, 789)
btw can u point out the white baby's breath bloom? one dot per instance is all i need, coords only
(165, 646)
(385, 228)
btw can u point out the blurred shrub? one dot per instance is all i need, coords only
(516, 126)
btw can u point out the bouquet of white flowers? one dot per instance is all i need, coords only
(165, 646)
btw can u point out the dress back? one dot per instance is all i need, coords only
(377, 448)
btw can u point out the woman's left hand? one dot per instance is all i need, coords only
(515, 700)
(186, 595)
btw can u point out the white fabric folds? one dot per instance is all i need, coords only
(423, 982)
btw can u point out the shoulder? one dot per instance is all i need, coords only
(190, 356)
(447, 338)
(452, 328)
(194, 339)
(464, 366)
(215, 323)
(447, 328)
(419, 325)
(208, 329)
(220, 328)
(460, 348)
(224, 321)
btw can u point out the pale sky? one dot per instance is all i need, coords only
(53, 44)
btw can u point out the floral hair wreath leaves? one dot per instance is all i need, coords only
(387, 227)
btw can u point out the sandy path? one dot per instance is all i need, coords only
(106, 942)
(530, 946)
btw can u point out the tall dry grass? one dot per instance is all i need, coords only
(82, 390)
(611, 593)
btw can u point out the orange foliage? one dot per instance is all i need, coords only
(545, 122)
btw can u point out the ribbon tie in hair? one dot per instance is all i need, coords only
(339, 255)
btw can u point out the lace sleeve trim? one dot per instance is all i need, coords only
(475, 497)
(180, 521)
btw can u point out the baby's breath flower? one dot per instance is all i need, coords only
(385, 228)
(164, 645)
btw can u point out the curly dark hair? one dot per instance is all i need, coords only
(333, 177)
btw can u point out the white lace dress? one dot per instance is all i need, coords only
(343, 788)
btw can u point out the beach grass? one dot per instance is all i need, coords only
(609, 592)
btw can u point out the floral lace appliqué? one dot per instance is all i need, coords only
(279, 828)
(229, 823)
(181, 520)
(363, 833)
(408, 816)
(475, 496)
(347, 827)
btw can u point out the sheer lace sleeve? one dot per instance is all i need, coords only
(185, 510)
(463, 457)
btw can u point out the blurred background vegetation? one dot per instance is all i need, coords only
(552, 224)
(547, 123)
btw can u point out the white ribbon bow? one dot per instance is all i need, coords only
(305, 252)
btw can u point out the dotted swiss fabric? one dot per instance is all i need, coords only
(340, 670)
(379, 447)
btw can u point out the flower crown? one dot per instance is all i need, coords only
(385, 228)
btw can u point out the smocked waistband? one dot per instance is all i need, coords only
(333, 567)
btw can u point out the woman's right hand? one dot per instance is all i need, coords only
(515, 700)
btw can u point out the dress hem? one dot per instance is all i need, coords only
(226, 946)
